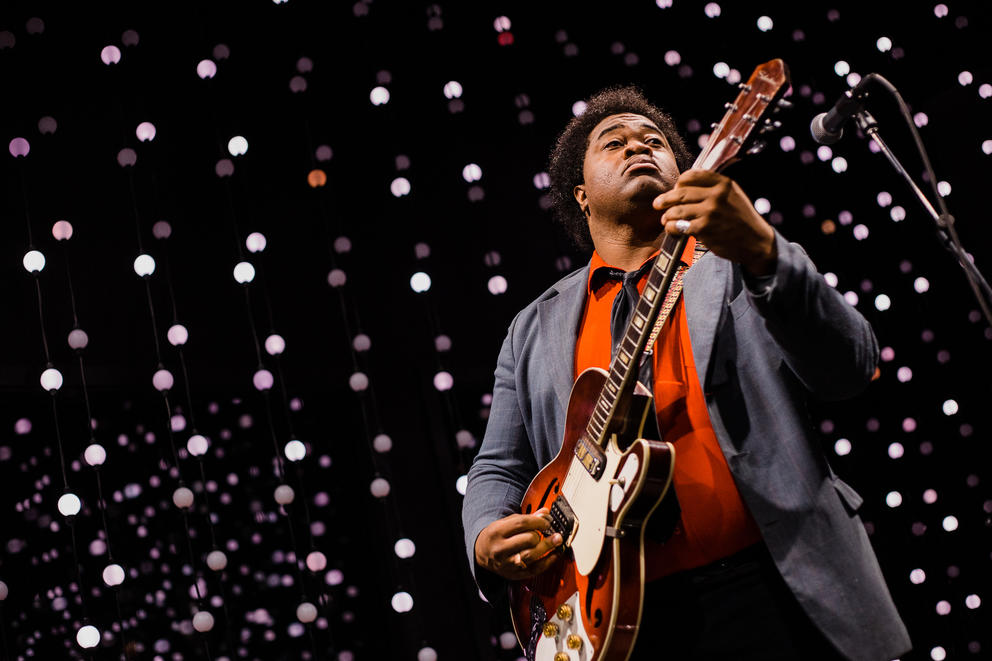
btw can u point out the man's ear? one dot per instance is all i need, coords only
(580, 196)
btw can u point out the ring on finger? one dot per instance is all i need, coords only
(682, 226)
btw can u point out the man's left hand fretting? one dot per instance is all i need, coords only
(722, 217)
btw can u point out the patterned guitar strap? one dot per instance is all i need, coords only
(670, 299)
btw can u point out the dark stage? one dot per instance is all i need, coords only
(339, 208)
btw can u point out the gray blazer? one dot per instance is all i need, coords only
(760, 350)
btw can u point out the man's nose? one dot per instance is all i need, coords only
(635, 146)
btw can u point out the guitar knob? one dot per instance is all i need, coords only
(561, 656)
(550, 629)
(565, 612)
(573, 642)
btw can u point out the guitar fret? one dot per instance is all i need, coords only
(628, 340)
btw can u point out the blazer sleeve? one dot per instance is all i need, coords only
(502, 469)
(826, 342)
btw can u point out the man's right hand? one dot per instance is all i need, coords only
(515, 547)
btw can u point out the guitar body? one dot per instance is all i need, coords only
(600, 577)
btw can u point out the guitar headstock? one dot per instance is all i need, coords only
(746, 117)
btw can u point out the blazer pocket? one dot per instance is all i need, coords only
(851, 498)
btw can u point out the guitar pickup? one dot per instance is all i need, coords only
(562, 518)
(591, 457)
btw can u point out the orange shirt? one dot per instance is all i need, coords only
(715, 523)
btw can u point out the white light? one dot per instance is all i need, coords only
(471, 172)
(255, 242)
(884, 44)
(897, 214)
(904, 374)
(831, 279)
(162, 380)
(197, 445)
(206, 69)
(938, 654)
(182, 497)
(316, 561)
(842, 447)
(965, 78)
(216, 560)
(379, 487)
(578, 108)
(853, 79)
(896, 450)
(787, 143)
(851, 297)
(987, 147)
(429, 653)
(497, 285)
(972, 601)
(262, 379)
(882, 303)
(762, 206)
(721, 69)
(893, 499)
(284, 494)
(400, 187)
(950, 407)
(985, 90)
(824, 153)
(461, 484)
(453, 89)
(62, 230)
(110, 55)
(402, 602)
(405, 548)
(95, 455)
(943, 188)
(358, 381)
(203, 621)
(4, 591)
(177, 335)
(712, 10)
(295, 450)
(921, 284)
(113, 575)
(145, 131)
(443, 381)
(842, 68)
(379, 96)
(144, 265)
(507, 640)
(69, 504)
(921, 119)
(501, 24)
(884, 199)
(930, 496)
(237, 146)
(542, 180)
(306, 612)
(275, 345)
(244, 272)
(917, 576)
(672, 58)
(765, 23)
(839, 164)
(362, 342)
(950, 523)
(88, 636)
(940, 10)
(51, 379)
(860, 232)
(382, 443)
(943, 607)
(420, 282)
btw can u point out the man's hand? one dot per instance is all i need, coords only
(515, 546)
(722, 217)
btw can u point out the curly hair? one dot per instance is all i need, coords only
(568, 155)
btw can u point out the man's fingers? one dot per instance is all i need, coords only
(518, 523)
(534, 568)
(679, 195)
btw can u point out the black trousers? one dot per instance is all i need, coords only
(738, 608)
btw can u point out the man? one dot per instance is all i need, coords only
(769, 559)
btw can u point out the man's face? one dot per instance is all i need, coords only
(628, 163)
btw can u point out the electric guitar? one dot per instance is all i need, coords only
(608, 479)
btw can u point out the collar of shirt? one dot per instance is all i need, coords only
(600, 272)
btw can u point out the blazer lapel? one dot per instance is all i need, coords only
(560, 316)
(705, 288)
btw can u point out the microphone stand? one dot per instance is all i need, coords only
(943, 220)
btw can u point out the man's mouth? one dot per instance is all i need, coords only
(642, 164)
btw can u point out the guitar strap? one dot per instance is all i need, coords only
(671, 298)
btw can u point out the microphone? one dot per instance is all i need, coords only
(827, 127)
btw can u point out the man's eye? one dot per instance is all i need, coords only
(612, 143)
(655, 141)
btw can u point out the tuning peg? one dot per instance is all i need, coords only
(757, 147)
(770, 125)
